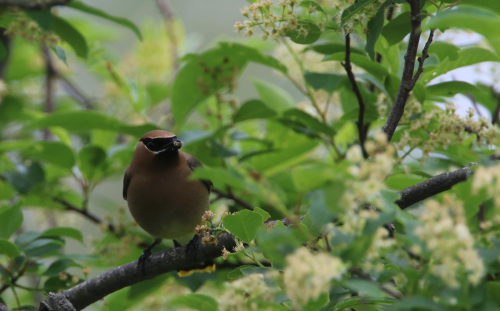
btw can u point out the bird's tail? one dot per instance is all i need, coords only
(208, 266)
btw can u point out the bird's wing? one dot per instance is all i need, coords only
(194, 163)
(126, 182)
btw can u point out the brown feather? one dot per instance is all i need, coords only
(161, 198)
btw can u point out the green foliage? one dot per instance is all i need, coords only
(289, 147)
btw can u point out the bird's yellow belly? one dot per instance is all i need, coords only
(168, 211)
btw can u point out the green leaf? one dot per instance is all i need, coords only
(479, 20)
(401, 181)
(277, 243)
(466, 57)
(307, 4)
(64, 232)
(451, 88)
(220, 177)
(364, 288)
(332, 48)
(492, 5)
(373, 68)
(236, 273)
(11, 219)
(43, 18)
(42, 247)
(204, 74)
(273, 96)
(196, 301)
(27, 179)
(70, 35)
(92, 162)
(61, 54)
(54, 152)
(8, 248)
(351, 302)
(313, 305)
(375, 28)
(420, 92)
(311, 176)
(265, 215)
(244, 224)
(253, 109)
(397, 29)
(84, 120)
(78, 5)
(326, 81)
(418, 303)
(303, 119)
(354, 9)
(444, 50)
(60, 265)
(313, 34)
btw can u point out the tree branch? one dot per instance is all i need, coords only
(435, 185)
(32, 5)
(74, 92)
(85, 213)
(408, 80)
(235, 199)
(355, 88)
(496, 114)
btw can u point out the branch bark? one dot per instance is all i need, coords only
(361, 115)
(408, 80)
(32, 5)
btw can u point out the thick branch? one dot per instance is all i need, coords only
(355, 88)
(32, 5)
(435, 185)
(407, 81)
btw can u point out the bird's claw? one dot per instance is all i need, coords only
(141, 263)
(192, 246)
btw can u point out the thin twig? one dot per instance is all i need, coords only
(421, 59)
(235, 199)
(85, 213)
(496, 114)
(74, 92)
(367, 277)
(168, 16)
(355, 88)
(32, 5)
(49, 88)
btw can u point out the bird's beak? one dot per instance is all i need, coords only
(177, 143)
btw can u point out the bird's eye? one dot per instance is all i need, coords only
(150, 145)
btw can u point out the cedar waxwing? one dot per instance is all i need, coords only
(161, 198)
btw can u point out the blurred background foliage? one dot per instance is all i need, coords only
(274, 123)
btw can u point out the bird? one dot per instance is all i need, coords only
(160, 196)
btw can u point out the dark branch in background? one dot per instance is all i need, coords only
(235, 199)
(408, 81)
(49, 87)
(32, 5)
(74, 92)
(5, 40)
(70, 207)
(496, 114)
(362, 275)
(168, 16)
(361, 115)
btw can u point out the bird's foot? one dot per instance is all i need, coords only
(141, 263)
(192, 246)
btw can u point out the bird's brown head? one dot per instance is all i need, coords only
(159, 141)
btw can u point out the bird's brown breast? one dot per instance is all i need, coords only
(163, 201)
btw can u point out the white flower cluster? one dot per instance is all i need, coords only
(248, 293)
(447, 128)
(447, 237)
(308, 275)
(275, 25)
(361, 18)
(488, 178)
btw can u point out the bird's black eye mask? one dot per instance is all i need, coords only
(160, 144)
